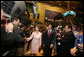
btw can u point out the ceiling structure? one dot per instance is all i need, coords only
(76, 6)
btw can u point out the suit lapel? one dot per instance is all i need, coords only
(51, 33)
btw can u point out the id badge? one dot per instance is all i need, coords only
(59, 43)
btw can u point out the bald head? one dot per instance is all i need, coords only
(9, 27)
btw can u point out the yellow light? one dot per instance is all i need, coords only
(28, 1)
(46, 18)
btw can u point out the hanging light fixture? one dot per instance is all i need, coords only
(69, 13)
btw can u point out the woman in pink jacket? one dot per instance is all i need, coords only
(36, 41)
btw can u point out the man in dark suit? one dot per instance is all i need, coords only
(48, 37)
(68, 41)
(19, 39)
(8, 43)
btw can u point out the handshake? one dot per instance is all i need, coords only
(26, 39)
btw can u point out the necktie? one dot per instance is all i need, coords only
(49, 33)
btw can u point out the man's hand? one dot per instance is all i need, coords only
(73, 51)
(80, 45)
(51, 46)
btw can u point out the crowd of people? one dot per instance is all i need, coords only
(15, 40)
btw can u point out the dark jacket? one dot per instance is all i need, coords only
(48, 40)
(67, 42)
(19, 39)
(8, 43)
